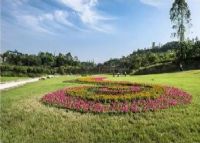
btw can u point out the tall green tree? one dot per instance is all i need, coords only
(180, 17)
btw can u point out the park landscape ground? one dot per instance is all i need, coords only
(79, 106)
(25, 118)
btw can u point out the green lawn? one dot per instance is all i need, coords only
(7, 79)
(25, 119)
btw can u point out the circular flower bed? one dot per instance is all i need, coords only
(109, 96)
(112, 93)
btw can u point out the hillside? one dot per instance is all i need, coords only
(168, 56)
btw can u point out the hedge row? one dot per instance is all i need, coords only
(13, 70)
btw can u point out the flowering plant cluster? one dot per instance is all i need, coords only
(115, 93)
(117, 97)
(101, 81)
(94, 79)
(171, 97)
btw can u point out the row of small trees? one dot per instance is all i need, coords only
(42, 59)
(19, 64)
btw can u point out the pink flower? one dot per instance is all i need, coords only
(135, 88)
(171, 97)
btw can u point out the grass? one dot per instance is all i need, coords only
(25, 119)
(7, 79)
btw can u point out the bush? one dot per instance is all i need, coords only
(8, 70)
(61, 70)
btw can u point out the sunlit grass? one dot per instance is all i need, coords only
(25, 119)
(8, 79)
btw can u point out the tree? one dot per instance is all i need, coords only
(60, 60)
(180, 17)
(47, 59)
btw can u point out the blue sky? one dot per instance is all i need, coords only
(90, 29)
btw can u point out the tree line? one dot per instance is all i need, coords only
(14, 63)
(168, 53)
(19, 64)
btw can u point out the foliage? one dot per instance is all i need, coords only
(17, 64)
(142, 58)
(168, 53)
(8, 70)
(180, 16)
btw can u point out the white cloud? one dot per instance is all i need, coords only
(85, 9)
(83, 16)
(32, 22)
(153, 2)
(62, 18)
(37, 22)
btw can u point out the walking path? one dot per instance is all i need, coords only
(12, 84)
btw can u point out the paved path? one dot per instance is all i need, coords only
(12, 84)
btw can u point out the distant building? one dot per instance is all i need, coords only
(153, 45)
(196, 39)
(1, 60)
